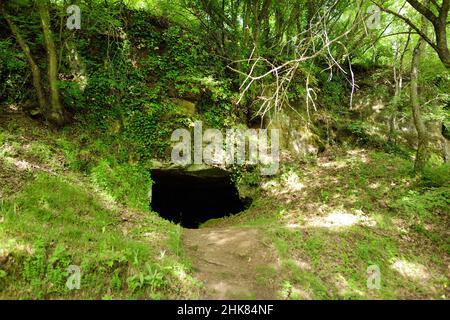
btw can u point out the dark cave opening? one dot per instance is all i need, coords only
(190, 199)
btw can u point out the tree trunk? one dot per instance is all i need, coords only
(392, 127)
(445, 149)
(311, 11)
(55, 113)
(223, 26)
(440, 27)
(398, 79)
(36, 73)
(422, 137)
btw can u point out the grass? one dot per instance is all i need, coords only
(67, 200)
(58, 224)
(330, 222)
(58, 217)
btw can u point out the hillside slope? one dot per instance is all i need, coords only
(311, 233)
(52, 217)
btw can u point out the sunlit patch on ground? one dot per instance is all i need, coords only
(359, 154)
(411, 270)
(374, 185)
(269, 185)
(292, 182)
(7, 150)
(302, 265)
(21, 165)
(378, 107)
(333, 164)
(291, 292)
(17, 157)
(336, 219)
(345, 289)
(9, 246)
(289, 183)
(13, 107)
(180, 273)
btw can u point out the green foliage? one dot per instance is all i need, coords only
(333, 93)
(35, 267)
(153, 277)
(135, 65)
(150, 131)
(74, 227)
(359, 132)
(46, 273)
(71, 96)
(125, 183)
(13, 73)
(116, 282)
(359, 129)
(397, 150)
(248, 176)
(425, 206)
(188, 53)
(75, 159)
(41, 151)
(436, 176)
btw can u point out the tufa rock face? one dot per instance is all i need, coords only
(193, 170)
(187, 106)
(296, 136)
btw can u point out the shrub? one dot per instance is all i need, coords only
(125, 183)
(423, 206)
(436, 176)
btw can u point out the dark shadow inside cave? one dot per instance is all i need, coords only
(190, 199)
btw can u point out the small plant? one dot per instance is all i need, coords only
(116, 282)
(424, 205)
(152, 277)
(40, 151)
(436, 176)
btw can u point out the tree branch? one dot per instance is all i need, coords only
(410, 23)
(424, 11)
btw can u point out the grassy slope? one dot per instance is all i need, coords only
(328, 221)
(331, 220)
(52, 217)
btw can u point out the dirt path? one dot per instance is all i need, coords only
(232, 263)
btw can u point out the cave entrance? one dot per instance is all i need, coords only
(192, 198)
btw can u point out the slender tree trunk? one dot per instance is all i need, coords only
(311, 11)
(55, 112)
(393, 116)
(246, 24)
(278, 25)
(223, 26)
(442, 45)
(392, 127)
(439, 23)
(398, 78)
(422, 136)
(445, 149)
(36, 73)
